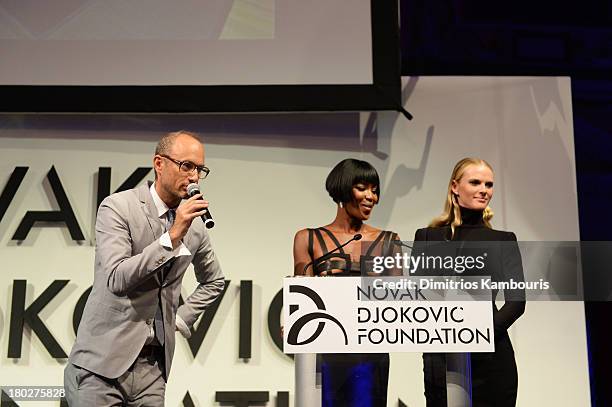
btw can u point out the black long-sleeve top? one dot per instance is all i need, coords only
(503, 263)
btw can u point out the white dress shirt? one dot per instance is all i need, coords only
(165, 241)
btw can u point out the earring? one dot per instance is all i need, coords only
(341, 205)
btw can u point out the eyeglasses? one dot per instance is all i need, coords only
(189, 167)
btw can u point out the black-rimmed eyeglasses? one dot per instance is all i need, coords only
(189, 167)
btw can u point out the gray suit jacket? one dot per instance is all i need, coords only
(122, 304)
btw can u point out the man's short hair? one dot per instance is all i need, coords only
(164, 145)
(346, 174)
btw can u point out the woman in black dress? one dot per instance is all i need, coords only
(467, 217)
(348, 380)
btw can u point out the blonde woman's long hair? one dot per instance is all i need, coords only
(452, 211)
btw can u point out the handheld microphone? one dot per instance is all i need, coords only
(194, 189)
(329, 254)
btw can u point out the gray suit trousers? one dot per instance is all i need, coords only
(142, 384)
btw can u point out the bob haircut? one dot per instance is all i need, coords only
(346, 174)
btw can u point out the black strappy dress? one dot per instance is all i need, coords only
(352, 380)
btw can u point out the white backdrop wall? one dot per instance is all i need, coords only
(267, 181)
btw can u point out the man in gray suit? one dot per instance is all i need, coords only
(145, 241)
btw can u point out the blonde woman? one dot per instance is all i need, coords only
(467, 217)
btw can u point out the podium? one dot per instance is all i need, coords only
(458, 380)
(335, 318)
(308, 380)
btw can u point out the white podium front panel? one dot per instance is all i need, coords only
(339, 315)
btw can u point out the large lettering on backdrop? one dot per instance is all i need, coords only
(267, 181)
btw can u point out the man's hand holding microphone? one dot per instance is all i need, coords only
(191, 208)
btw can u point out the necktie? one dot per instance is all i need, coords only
(171, 215)
(159, 318)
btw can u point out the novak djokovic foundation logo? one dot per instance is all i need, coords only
(340, 315)
(292, 337)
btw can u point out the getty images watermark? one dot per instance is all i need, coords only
(422, 262)
(32, 393)
(535, 270)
